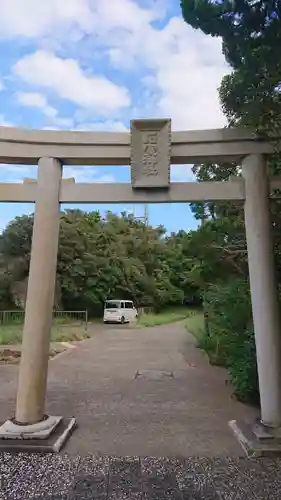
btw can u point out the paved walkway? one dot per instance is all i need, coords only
(146, 392)
(138, 393)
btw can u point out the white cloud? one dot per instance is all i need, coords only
(188, 80)
(123, 14)
(81, 47)
(36, 100)
(183, 70)
(87, 174)
(16, 173)
(33, 18)
(108, 125)
(60, 123)
(66, 78)
(1, 85)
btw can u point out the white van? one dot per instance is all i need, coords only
(119, 311)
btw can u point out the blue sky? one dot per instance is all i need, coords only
(96, 64)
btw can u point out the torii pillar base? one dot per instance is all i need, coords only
(49, 435)
(256, 439)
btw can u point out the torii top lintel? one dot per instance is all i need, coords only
(22, 146)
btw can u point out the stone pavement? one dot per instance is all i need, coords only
(56, 477)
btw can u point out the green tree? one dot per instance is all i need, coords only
(101, 258)
(250, 95)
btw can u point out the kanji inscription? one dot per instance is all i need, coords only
(150, 153)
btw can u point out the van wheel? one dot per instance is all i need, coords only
(122, 320)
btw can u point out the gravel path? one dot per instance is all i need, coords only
(56, 477)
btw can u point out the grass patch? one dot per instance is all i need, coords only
(164, 317)
(68, 334)
(195, 324)
(12, 334)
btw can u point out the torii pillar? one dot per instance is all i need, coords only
(264, 436)
(31, 429)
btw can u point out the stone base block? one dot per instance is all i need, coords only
(51, 439)
(40, 430)
(256, 439)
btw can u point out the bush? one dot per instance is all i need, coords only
(230, 341)
(243, 368)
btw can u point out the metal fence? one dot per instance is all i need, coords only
(66, 326)
(145, 310)
(60, 318)
(71, 318)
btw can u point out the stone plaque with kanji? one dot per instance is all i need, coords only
(150, 153)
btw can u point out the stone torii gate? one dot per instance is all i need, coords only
(150, 148)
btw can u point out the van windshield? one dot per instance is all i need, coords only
(112, 304)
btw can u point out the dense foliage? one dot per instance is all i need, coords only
(250, 96)
(102, 258)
